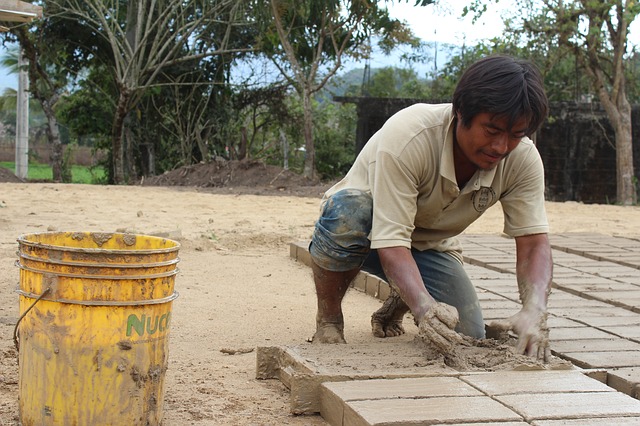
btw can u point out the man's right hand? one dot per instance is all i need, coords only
(438, 325)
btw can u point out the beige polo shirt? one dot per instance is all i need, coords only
(408, 168)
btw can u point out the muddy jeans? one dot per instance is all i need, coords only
(340, 243)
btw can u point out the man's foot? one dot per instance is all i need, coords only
(387, 321)
(329, 333)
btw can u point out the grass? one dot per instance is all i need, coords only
(79, 174)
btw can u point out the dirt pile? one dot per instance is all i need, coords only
(239, 177)
(7, 175)
(246, 177)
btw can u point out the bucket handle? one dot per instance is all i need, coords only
(15, 330)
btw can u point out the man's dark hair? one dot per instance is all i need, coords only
(504, 86)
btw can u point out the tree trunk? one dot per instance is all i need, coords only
(117, 151)
(202, 145)
(310, 150)
(53, 136)
(625, 176)
(619, 113)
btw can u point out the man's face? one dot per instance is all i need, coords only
(487, 140)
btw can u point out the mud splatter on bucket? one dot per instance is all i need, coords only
(95, 313)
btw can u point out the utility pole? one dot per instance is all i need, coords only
(22, 121)
(20, 11)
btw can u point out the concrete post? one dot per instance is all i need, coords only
(22, 121)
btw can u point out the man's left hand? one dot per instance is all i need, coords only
(530, 325)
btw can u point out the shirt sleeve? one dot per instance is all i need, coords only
(523, 202)
(395, 191)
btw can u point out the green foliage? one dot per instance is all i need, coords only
(87, 112)
(335, 139)
(391, 82)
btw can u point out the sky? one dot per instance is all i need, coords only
(441, 23)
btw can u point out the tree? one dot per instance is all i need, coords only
(595, 33)
(139, 40)
(307, 41)
(50, 68)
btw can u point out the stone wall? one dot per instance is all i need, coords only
(576, 144)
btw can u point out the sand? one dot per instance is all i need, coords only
(239, 289)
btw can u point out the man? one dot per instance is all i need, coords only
(418, 183)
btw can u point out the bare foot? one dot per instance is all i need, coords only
(387, 321)
(329, 333)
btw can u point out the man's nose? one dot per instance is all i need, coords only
(501, 144)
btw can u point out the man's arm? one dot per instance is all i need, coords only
(402, 272)
(436, 321)
(534, 269)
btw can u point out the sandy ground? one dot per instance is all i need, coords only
(239, 289)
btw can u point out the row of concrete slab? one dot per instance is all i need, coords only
(594, 320)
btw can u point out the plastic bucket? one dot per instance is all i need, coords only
(95, 311)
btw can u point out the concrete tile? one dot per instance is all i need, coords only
(625, 380)
(506, 289)
(421, 387)
(619, 421)
(299, 251)
(603, 359)
(572, 405)
(372, 285)
(560, 304)
(331, 406)
(604, 286)
(634, 280)
(426, 411)
(577, 333)
(602, 310)
(499, 304)
(595, 345)
(486, 424)
(497, 314)
(359, 282)
(521, 382)
(581, 279)
(557, 322)
(627, 331)
(600, 321)
(384, 290)
(484, 295)
(629, 298)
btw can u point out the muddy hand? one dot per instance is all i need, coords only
(533, 334)
(438, 325)
(387, 321)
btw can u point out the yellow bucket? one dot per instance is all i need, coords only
(95, 311)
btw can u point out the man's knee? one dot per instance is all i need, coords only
(340, 239)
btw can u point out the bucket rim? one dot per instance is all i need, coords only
(100, 264)
(22, 239)
(166, 274)
(170, 298)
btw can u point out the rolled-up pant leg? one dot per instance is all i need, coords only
(340, 240)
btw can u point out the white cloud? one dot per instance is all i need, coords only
(443, 22)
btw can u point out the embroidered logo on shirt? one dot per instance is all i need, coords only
(483, 198)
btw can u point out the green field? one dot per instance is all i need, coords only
(79, 174)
